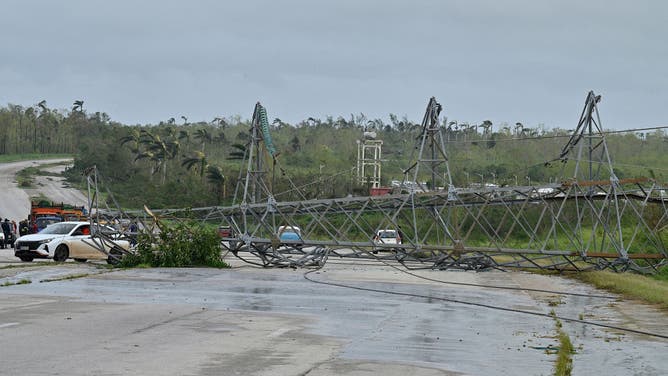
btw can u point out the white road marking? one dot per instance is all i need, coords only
(6, 325)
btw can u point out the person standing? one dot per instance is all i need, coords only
(132, 232)
(23, 227)
(7, 230)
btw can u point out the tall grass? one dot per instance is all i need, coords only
(653, 290)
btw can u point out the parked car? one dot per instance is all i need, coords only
(44, 222)
(26, 247)
(290, 234)
(44, 243)
(84, 248)
(386, 237)
(228, 232)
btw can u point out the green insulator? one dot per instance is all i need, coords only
(264, 125)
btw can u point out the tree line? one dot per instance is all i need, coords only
(181, 163)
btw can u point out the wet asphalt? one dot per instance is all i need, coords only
(417, 329)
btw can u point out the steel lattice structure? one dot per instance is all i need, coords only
(589, 220)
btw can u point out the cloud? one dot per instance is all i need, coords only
(511, 61)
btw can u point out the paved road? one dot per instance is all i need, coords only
(15, 202)
(249, 321)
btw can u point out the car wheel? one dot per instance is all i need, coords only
(61, 254)
(80, 260)
(26, 258)
(114, 257)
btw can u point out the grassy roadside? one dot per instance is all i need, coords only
(653, 290)
(26, 178)
(26, 157)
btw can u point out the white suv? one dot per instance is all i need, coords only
(386, 237)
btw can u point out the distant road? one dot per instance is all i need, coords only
(15, 201)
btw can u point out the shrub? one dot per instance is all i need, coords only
(180, 244)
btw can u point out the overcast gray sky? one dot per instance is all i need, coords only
(513, 60)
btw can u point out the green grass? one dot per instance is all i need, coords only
(27, 265)
(21, 282)
(24, 178)
(662, 275)
(653, 290)
(564, 365)
(565, 351)
(67, 277)
(26, 157)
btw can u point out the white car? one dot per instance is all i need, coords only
(386, 237)
(84, 248)
(74, 236)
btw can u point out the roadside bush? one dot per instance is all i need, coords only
(181, 244)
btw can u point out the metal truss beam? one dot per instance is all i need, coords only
(590, 220)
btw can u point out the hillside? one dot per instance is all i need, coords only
(198, 164)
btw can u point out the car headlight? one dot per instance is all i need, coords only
(44, 241)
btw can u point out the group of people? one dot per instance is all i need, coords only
(27, 227)
(10, 229)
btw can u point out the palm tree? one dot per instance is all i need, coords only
(134, 138)
(239, 153)
(184, 135)
(486, 127)
(151, 157)
(185, 120)
(198, 159)
(158, 150)
(506, 129)
(44, 110)
(203, 135)
(77, 106)
(214, 175)
(219, 121)
(311, 121)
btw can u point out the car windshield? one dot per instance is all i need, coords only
(59, 228)
(45, 221)
(284, 229)
(387, 234)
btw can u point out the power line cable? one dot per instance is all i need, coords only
(483, 305)
(496, 286)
